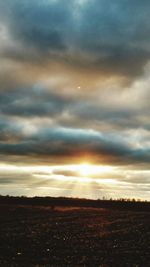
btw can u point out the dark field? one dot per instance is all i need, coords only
(73, 236)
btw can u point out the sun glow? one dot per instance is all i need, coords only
(86, 170)
(84, 179)
(91, 170)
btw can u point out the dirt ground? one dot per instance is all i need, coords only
(73, 237)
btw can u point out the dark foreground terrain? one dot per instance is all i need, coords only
(73, 236)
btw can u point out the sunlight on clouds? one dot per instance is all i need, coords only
(65, 178)
(86, 169)
(78, 180)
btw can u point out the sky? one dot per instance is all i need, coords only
(75, 98)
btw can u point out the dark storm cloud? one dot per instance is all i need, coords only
(38, 23)
(87, 111)
(9, 132)
(61, 144)
(38, 102)
(117, 33)
(30, 102)
(113, 36)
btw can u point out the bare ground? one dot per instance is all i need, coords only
(73, 237)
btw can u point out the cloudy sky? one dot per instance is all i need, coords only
(75, 98)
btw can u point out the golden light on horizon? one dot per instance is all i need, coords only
(87, 169)
(83, 169)
(84, 179)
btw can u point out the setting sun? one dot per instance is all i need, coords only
(86, 169)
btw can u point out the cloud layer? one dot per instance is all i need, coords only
(74, 86)
(112, 37)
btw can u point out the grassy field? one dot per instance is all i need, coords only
(73, 236)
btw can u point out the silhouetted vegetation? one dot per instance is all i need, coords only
(127, 204)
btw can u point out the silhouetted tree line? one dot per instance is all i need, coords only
(122, 203)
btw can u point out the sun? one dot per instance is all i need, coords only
(86, 169)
